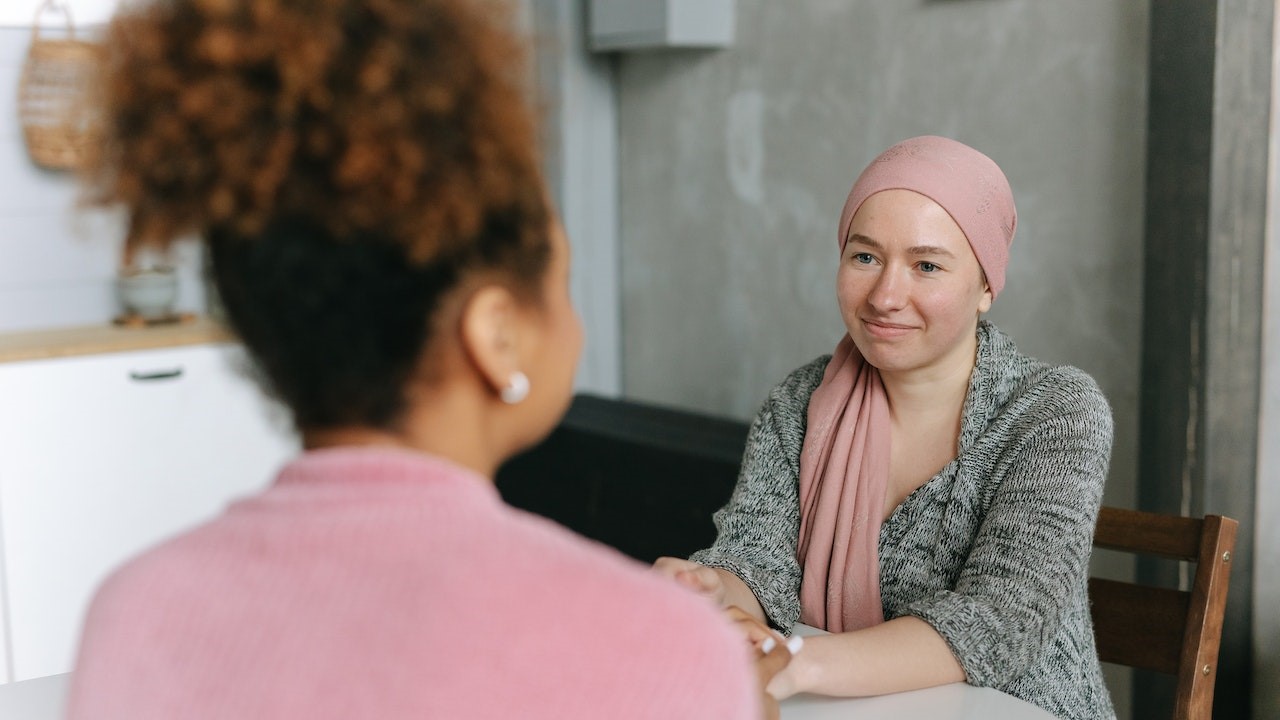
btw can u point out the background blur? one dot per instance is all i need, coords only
(701, 189)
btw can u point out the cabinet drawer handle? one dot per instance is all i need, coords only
(156, 375)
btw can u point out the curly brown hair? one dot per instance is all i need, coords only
(347, 160)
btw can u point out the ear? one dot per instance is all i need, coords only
(984, 302)
(490, 326)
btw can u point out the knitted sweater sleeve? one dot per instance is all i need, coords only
(758, 529)
(1033, 546)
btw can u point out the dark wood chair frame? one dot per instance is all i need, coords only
(1170, 631)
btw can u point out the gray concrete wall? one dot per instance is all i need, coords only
(579, 135)
(1266, 568)
(1266, 559)
(733, 165)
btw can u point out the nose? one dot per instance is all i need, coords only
(889, 292)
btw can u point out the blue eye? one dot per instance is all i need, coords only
(928, 267)
(863, 258)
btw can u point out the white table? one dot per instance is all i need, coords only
(39, 699)
(947, 702)
(45, 699)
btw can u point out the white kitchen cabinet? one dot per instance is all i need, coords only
(102, 456)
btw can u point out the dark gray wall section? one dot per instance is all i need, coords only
(1266, 544)
(1209, 130)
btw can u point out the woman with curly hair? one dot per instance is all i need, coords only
(364, 173)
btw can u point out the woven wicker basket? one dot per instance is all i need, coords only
(52, 94)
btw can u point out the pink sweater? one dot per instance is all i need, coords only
(375, 583)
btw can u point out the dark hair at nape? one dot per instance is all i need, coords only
(337, 327)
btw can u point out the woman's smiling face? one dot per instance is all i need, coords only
(909, 286)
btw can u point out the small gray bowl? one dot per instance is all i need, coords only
(150, 293)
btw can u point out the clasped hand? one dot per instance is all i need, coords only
(772, 651)
(699, 578)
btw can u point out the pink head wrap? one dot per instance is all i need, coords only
(844, 464)
(966, 183)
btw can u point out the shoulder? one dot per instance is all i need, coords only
(585, 579)
(789, 399)
(803, 380)
(666, 639)
(168, 567)
(783, 417)
(1056, 390)
(1037, 390)
(589, 574)
(1066, 395)
(140, 599)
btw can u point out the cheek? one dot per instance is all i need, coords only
(850, 293)
(949, 307)
(569, 335)
(576, 333)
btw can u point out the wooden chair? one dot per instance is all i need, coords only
(1170, 631)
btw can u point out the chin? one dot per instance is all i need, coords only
(886, 359)
(879, 348)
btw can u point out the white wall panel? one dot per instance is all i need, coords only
(20, 13)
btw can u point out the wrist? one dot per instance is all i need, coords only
(736, 592)
(805, 668)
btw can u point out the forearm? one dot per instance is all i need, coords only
(903, 654)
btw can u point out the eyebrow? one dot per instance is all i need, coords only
(913, 250)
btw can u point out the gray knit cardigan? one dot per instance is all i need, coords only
(992, 552)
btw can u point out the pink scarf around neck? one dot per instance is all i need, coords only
(844, 465)
(844, 469)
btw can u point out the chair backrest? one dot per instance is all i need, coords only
(1170, 631)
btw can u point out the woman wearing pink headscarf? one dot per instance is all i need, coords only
(926, 493)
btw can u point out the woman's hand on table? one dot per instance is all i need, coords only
(773, 654)
(905, 653)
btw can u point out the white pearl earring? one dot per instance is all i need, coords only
(517, 388)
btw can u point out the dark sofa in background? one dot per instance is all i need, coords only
(641, 478)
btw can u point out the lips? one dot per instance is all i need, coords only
(886, 330)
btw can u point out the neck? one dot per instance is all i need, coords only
(938, 389)
(444, 425)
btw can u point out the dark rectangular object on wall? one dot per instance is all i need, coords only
(641, 478)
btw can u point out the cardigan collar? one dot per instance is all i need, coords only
(989, 389)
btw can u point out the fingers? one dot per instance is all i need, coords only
(793, 644)
(774, 652)
(777, 671)
(673, 567)
(762, 637)
(699, 578)
(772, 661)
(669, 565)
(756, 632)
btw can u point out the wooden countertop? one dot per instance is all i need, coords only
(94, 339)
